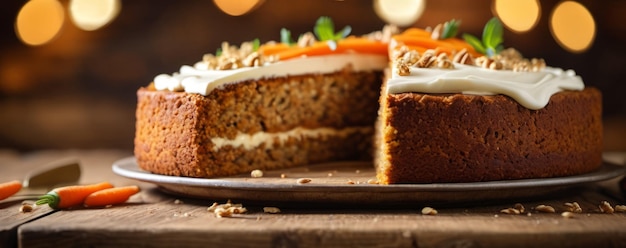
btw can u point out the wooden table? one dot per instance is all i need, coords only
(155, 219)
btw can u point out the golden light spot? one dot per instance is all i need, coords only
(93, 14)
(399, 12)
(572, 26)
(238, 7)
(517, 15)
(39, 21)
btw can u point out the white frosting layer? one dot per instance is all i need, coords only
(530, 89)
(250, 141)
(199, 80)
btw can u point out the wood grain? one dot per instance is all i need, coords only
(155, 219)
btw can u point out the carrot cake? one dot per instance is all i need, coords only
(423, 105)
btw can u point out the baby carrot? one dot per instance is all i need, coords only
(9, 188)
(70, 196)
(110, 196)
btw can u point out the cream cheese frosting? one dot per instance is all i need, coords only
(530, 89)
(198, 79)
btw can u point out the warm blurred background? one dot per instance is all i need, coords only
(78, 89)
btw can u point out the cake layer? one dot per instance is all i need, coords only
(309, 119)
(427, 138)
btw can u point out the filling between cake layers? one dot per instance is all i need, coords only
(251, 141)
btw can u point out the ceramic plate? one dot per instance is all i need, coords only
(350, 183)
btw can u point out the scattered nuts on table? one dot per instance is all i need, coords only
(567, 214)
(605, 207)
(26, 207)
(303, 180)
(620, 208)
(256, 173)
(573, 207)
(510, 211)
(519, 207)
(271, 210)
(429, 211)
(545, 209)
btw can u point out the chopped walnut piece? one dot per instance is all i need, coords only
(537, 64)
(303, 180)
(573, 207)
(427, 59)
(429, 211)
(222, 212)
(402, 68)
(436, 33)
(496, 65)
(510, 211)
(545, 209)
(519, 207)
(372, 181)
(620, 208)
(399, 52)
(271, 210)
(445, 64)
(253, 60)
(567, 214)
(307, 39)
(26, 207)
(256, 173)
(411, 57)
(463, 57)
(605, 207)
(227, 209)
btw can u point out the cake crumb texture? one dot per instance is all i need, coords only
(174, 129)
(426, 138)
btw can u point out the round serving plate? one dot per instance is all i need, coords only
(353, 183)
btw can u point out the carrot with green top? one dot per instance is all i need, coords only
(9, 188)
(70, 196)
(110, 196)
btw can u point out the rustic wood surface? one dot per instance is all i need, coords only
(155, 219)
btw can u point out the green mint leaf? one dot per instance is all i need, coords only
(343, 33)
(450, 29)
(499, 48)
(218, 52)
(324, 29)
(492, 33)
(474, 42)
(256, 43)
(285, 36)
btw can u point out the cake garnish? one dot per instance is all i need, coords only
(491, 43)
(433, 48)
(325, 31)
(285, 37)
(446, 30)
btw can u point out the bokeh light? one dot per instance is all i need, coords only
(572, 26)
(400, 12)
(90, 15)
(518, 15)
(39, 21)
(238, 7)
